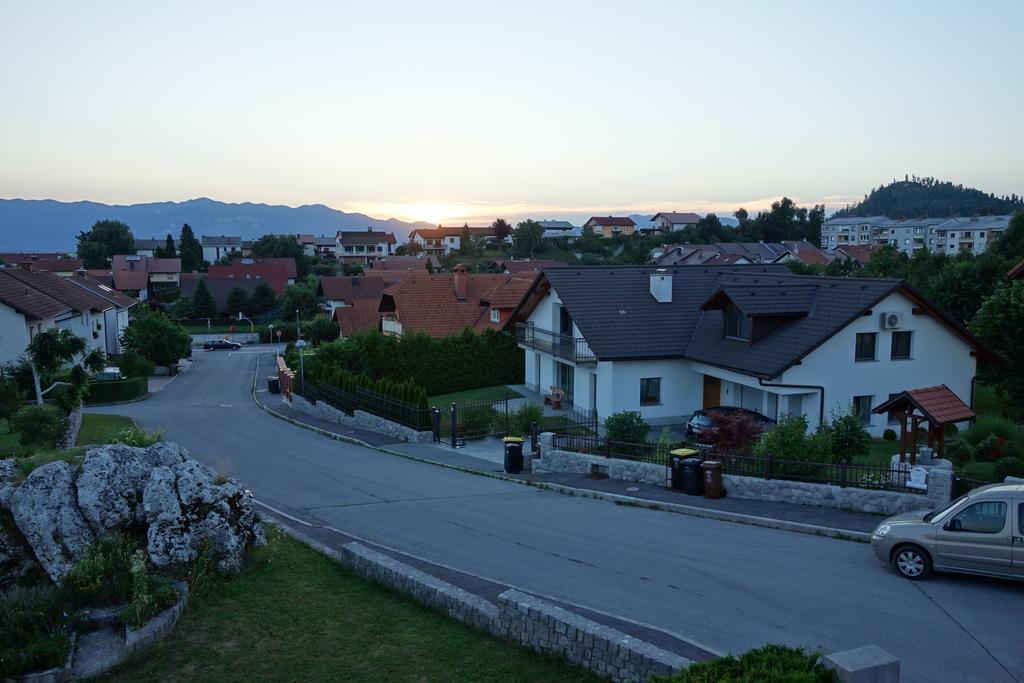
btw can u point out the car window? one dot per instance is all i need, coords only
(983, 518)
(1020, 518)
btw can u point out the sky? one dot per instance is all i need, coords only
(446, 111)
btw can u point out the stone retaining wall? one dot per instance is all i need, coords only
(70, 437)
(940, 482)
(360, 420)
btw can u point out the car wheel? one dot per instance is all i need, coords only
(912, 562)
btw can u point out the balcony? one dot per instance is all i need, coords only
(562, 346)
(391, 326)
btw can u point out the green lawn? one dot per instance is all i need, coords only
(295, 614)
(97, 429)
(484, 394)
(880, 452)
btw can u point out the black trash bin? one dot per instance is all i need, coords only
(274, 384)
(693, 477)
(513, 454)
(676, 459)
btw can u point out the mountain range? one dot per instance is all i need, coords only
(50, 225)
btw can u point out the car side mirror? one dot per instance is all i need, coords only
(954, 525)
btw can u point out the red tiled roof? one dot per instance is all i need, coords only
(286, 261)
(405, 262)
(725, 259)
(22, 256)
(148, 264)
(361, 316)
(342, 288)
(28, 300)
(60, 289)
(275, 274)
(1017, 272)
(103, 290)
(939, 404)
(612, 220)
(131, 280)
(861, 253)
(428, 302)
(64, 265)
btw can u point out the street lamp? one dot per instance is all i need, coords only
(301, 344)
(276, 349)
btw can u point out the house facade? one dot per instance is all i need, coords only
(364, 246)
(947, 235)
(672, 221)
(611, 226)
(668, 341)
(442, 240)
(216, 247)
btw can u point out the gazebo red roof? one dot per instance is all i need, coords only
(938, 404)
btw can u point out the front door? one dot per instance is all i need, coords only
(712, 392)
(979, 538)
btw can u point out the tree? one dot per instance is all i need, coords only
(181, 308)
(191, 250)
(10, 396)
(527, 237)
(1010, 244)
(320, 329)
(886, 262)
(115, 236)
(627, 427)
(959, 288)
(501, 229)
(168, 250)
(282, 246)
(238, 301)
(263, 298)
(153, 335)
(299, 298)
(58, 351)
(93, 255)
(203, 305)
(1000, 323)
(847, 436)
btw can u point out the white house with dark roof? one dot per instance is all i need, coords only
(671, 221)
(669, 341)
(216, 247)
(364, 246)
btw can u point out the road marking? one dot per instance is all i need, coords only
(226, 405)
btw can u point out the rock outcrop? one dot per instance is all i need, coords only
(181, 504)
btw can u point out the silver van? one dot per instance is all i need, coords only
(980, 533)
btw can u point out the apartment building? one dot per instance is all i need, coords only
(946, 235)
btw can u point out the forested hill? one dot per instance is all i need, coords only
(927, 197)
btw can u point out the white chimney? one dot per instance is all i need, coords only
(661, 286)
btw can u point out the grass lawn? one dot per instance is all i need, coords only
(295, 614)
(97, 429)
(880, 452)
(483, 394)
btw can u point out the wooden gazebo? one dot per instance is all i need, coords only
(938, 406)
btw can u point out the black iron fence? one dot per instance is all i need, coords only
(592, 444)
(459, 422)
(962, 485)
(407, 414)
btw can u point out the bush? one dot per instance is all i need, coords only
(768, 664)
(117, 390)
(134, 365)
(889, 434)
(789, 440)
(39, 426)
(990, 424)
(34, 630)
(959, 452)
(135, 436)
(150, 594)
(155, 336)
(1009, 467)
(521, 421)
(733, 432)
(847, 436)
(627, 427)
(476, 420)
(102, 577)
(991, 448)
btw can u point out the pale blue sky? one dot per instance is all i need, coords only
(444, 110)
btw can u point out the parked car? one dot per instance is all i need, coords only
(108, 374)
(704, 420)
(979, 533)
(217, 344)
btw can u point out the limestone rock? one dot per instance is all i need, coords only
(16, 561)
(8, 471)
(45, 508)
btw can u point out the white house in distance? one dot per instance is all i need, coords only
(671, 221)
(669, 341)
(216, 247)
(441, 241)
(364, 246)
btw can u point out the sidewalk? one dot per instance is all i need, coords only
(478, 458)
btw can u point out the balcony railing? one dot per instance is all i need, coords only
(564, 346)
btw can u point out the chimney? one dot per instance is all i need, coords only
(27, 265)
(460, 282)
(661, 286)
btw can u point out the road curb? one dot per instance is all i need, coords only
(618, 499)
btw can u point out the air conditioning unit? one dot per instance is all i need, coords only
(891, 321)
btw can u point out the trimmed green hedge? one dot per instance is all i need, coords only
(117, 390)
(403, 402)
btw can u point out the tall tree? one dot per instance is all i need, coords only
(1000, 322)
(283, 246)
(527, 237)
(466, 246)
(263, 298)
(299, 298)
(1010, 244)
(167, 250)
(93, 254)
(191, 250)
(115, 236)
(203, 305)
(56, 350)
(238, 301)
(501, 228)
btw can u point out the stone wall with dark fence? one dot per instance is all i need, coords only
(359, 419)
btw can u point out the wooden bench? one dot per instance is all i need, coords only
(555, 398)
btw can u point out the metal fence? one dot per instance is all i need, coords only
(459, 422)
(407, 414)
(962, 485)
(592, 444)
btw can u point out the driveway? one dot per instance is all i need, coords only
(728, 586)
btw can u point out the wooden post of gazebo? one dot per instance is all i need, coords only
(938, 406)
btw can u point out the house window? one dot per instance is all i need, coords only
(901, 345)
(737, 325)
(650, 391)
(862, 409)
(495, 315)
(865, 346)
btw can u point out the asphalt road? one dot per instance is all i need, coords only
(728, 586)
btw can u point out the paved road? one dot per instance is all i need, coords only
(728, 586)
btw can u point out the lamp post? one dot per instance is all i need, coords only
(300, 344)
(276, 350)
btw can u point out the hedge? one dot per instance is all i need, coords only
(462, 361)
(403, 402)
(117, 390)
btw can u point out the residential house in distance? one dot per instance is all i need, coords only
(445, 304)
(947, 235)
(134, 273)
(441, 241)
(77, 309)
(669, 341)
(973, 235)
(148, 247)
(342, 291)
(364, 246)
(527, 266)
(726, 253)
(116, 319)
(560, 229)
(216, 247)
(219, 289)
(64, 267)
(671, 221)
(326, 247)
(308, 243)
(278, 272)
(842, 232)
(417, 262)
(611, 226)
(858, 253)
(11, 258)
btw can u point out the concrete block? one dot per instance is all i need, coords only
(868, 664)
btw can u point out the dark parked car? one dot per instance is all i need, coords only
(704, 420)
(217, 344)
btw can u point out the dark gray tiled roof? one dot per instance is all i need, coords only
(620, 320)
